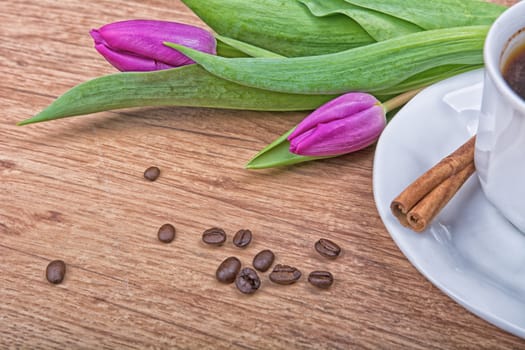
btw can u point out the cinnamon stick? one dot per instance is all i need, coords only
(426, 209)
(422, 200)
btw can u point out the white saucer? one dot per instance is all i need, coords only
(470, 251)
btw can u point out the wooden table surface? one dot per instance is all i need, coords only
(73, 190)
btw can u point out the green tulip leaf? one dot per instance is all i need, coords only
(189, 86)
(376, 68)
(380, 26)
(436, 14)
(284, 27)
(278, 154)
(247, 49)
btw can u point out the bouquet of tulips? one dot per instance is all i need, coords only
(328, 56)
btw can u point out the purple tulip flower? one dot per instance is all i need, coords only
(137, 45)
(346, 124)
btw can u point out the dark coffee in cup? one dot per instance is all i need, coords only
(514, 71)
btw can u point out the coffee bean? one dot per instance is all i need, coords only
(248, 281)
(214, 236)
(263, 260)
(321, 279)
(327, 248)
(284, 274)
(152, 173)
(56, 271)
(242, 238)
(166, 233)
(228, 270)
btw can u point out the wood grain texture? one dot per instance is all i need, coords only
(73, 190)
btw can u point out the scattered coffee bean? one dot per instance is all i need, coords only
(228, 270)
(242, 238)
(166, 233)
(214, 236)
(152, 173)
(248, 281)
(284, 274)
(56, 271)
(263, 260)
(327, 248)
(321, 279)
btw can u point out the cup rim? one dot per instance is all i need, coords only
(491, 59)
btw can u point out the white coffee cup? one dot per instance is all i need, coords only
(500, 142)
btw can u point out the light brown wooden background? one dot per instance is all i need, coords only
(73, 190)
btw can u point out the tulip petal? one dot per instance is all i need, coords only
(129, 63)
(338, 108)
(341, 136)
(144, 38)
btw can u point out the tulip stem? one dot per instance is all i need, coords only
(400, 100)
